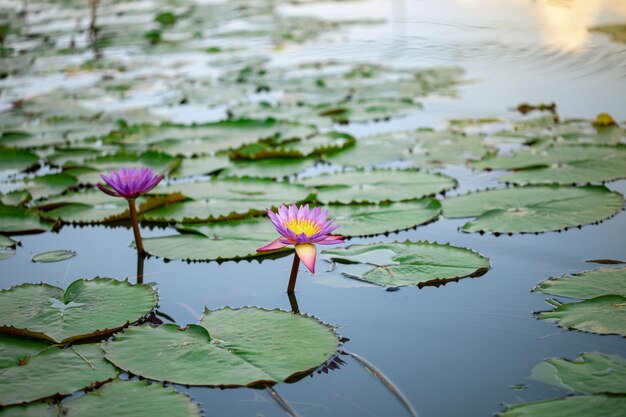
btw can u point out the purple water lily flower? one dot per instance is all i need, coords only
(301, 227)
(131, 183)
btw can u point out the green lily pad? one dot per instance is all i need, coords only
(94, 206)
(88, 308)
(561, 165)
(377, 186)
(7, 247)
(54, 256)
(408, 263)
(586, 285)
(576, 406)
(246, 346)
(370, 220)
(206, 139)
(590, 373)
(31, 370)
(269, 168)
(48, 185)
(603, 315)
(203, 165)
(533, 208)
(225, 199)
(616, 32)
(16, 159)
(298, 148)
(18, 220)
(425, 148)
(215, 241)
(116, 398)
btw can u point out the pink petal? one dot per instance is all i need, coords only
(275, 245)
(106, 190)
(331, 240)
(306, 253)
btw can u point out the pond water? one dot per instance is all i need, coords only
(452, 350)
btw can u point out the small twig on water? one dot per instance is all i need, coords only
(281, 401)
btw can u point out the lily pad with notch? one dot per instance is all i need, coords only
(230, 347)
(533, 209)
(408, 263)
(587, 284)
(87, 309)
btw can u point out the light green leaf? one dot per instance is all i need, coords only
(586, 285)
(31, 370)
(408, 263)
(246, 346)
(88, 308)
(54, 256)
(576, 406)
(603, 315)
(533, 208)
(377, 186)
(18, 220)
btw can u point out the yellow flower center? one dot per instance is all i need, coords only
(308, 227)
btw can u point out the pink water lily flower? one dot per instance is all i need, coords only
(130, 182)
(302, 227)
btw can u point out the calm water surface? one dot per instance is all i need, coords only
(453, 350)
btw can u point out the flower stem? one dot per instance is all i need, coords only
(133, 220)
(294, 274)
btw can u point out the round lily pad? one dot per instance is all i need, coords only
(377, 186)
(88, 308)
(18, 220)
(533, 208)
(116, 398)
(590, 373)
(54, 255)
(31, 370)
(230, 347)
(586, 285)
(603, 315)
(408, 263)
(370, 220)
(576, 406)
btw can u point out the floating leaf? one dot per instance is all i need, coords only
(533, 208)
(369, 220)
(298, 148)
(16, 159)
(216, 241)
(561, 165)
(48, 185)
(88, 308)
(603, 315)
(94, 206)
(586, 285)
(18, 220)
(203, 165)
(590, 373)
(269, 168)
(208, 138)
(230, 347)
(377, 186)
(54, 256)
(576, 406)
(425, 148)
(31, 370)
(408, 263)
(7, 247)
(225, 199)
(116, 398)
(617, 32)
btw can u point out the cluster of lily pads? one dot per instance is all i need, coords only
(50, 348)
(596, 379)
